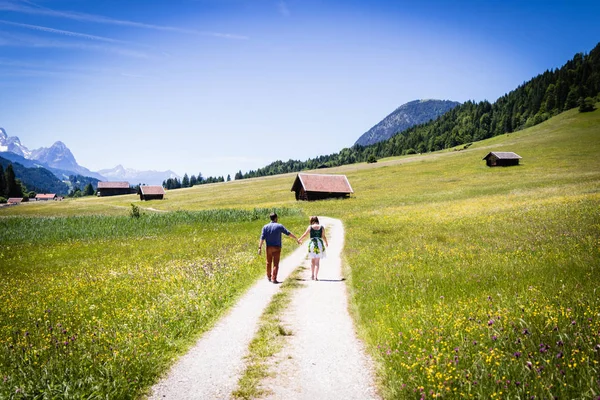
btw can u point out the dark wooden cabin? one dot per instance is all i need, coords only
(317, 186)
(114, 188)
(502, 159)
(151, 193)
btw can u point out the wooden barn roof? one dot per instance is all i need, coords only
(322, 183)
(152, 190)
(14, 200)
(113, 185)
(45, 196)
(503, 155)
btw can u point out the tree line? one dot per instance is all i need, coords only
(186, 181)
(10, 186)
(77, 182)
(575, 84)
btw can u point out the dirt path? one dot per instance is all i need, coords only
(322, 360)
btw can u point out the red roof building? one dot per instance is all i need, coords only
(45, 196)
(151, 193)
(319, 186)
(14, 200)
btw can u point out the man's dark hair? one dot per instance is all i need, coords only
(273, 216)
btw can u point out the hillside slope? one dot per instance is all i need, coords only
(37, 179)
(564, 147)
(406, 116)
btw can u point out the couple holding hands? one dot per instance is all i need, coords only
(271, 234)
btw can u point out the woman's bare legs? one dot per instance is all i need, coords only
(317, 262)
(312, 268)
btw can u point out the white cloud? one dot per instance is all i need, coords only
(62, 32)
(99, 43)
(33, 8)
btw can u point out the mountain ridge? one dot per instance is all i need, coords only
(413, 113)
(59, 160)
(151, 177)
(35, 178)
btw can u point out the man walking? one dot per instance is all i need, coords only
(271, 233)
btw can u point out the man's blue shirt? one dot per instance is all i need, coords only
(271, 233)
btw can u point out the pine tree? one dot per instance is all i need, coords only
(550, 98)
(13, 188)
(185, 182)
(88, 190)
(586, 105)
(2, 182)
(228, 178)
(571, 101)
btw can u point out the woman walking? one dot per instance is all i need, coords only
(316, 245)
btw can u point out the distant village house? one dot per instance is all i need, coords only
(46, 197)
(317, 186)
(151, 192)
(502, 159)
(14, 200)
(113, 188)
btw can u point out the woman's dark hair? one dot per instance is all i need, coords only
(314, 220)
(273, 216)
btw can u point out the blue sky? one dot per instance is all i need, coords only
(217, 86)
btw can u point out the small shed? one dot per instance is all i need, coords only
(320, 186)
(14, 200)
(502, 159)
(45, 196)
(151, 192)
(114, 188)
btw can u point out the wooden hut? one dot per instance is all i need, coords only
(45, 196)
(14, 200)
(501, 159)
(319, 186)
(151, 193)
(114, 188)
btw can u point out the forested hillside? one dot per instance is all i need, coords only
(39, 180)
(406, 116)
(548, 94)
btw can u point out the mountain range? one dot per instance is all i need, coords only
(406, 116)
(59, 160)
(120, 173)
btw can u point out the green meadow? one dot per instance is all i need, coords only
(465, 281)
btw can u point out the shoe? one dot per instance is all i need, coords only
(312, 278)
(275, 281)
(269, 279)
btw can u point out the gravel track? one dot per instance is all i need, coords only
(322, 359)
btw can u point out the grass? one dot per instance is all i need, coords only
(97, 306)
(477, 282)
(268, 341)
(465, 281)
(473, 299)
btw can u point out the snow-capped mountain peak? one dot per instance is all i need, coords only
(58, 156)
(12, 144)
